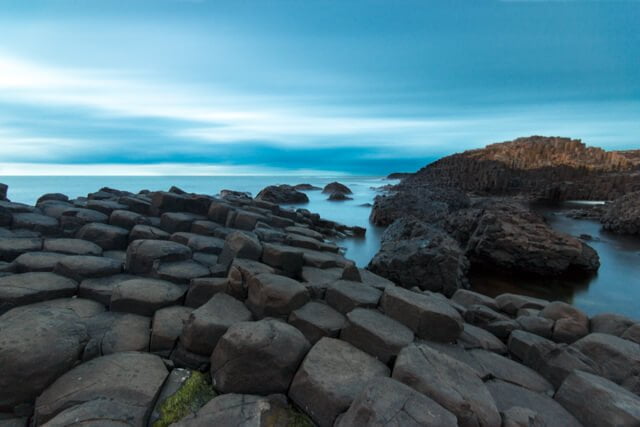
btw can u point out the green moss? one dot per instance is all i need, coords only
(193, 395)
(298, 419)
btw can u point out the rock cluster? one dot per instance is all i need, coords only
(114, 307)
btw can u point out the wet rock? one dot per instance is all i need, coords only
(373, 332)
(334, 187)
(108, 237)
(529, 348)
(609, 404)
(345, 296)
(275, 295)
(257, 357)
(338, 196)
(286, 258)
(331, 376)
(316, 320)
(387, 402)
(37, 345)
(240, 245)
(427, 317)
(80, 267)
(207, 324)
(451, 383)
(133, 379)
(167, 326)
(145, 296)
(28, 288)
(142, 254)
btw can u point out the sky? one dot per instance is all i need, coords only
(306, 86)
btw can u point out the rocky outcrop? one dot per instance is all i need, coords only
(282, 194)
(336, 187)
(622, 216)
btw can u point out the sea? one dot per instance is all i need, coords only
(614, 289)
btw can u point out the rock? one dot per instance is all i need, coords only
(529, 348)
(167, 326)
(275, 295)
(240, 274)
(609, 404)
(108, 237)
(147, 232)
(610, 323)
(536, 325)
(556, 364)
(632, 333)
(481, 315)
(133, 379)
(3, 191)
(387, 402)
(173, 222)
(72, 219)
(127, 219)
(282, 194)
(162, 201)
(100, 288)
(240, 245)
(451, 383)
(502, 328)
(37, 261)
(570, 323)
(142, 254)
(83, 308)
(286, 258)
(316, 320)
(511, 303)
(207, 324)
(28, 288)
(206, 244)
(316, 280)
(183, 358)
(80, 267)
(145, 296)
(105, 206)
(219, 211)
(338, 196)
(376, 334)
(467, 298)
(306, 187)
(521, 417)
(257, 357)
(474, 337)
(336, 187)
(202, 289)
(414, 253)
(98, 412)
(345, 296)
(426, 316)
(617, 358)
(239, 410)
(116, 332)
(331, 376)
(181, 272)
(37, 345)
(508, 396)
(72, 247)
(36, 222)
(621, 215)
(12, 247)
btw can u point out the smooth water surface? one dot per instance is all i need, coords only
(27, 189)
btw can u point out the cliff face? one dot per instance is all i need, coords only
(547, 167)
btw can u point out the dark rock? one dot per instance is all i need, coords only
(529, 348)
(181, 272)
(618, 359)
(116, 332)
(127, 219)
(173, 222)
(556, 364)
(100, 288)
(145, 296)
(240, 274)
(511, 303)
(202, 289)
(621, 215)
(474, 337)
(521, 417)
(287, 258)
(275, 295)
(345, 296)
(316, 320)
(467, 298)
(338, 196)
(108, 237)
(632, 333)
(36, 222)
(72, 247)
(99, 412)
(162, 201)
(336, 187)
(570, 323)
(331, 376)
(387, 402)
(306, 187)
(536, 325)
(282, 194)
(481, 315)
(426, 316)
(80, 267)
(610, 323)
(142, 254)
(240, 245)
(37, 261)
(167, 326)
(28, 288)
(147, 232)
(12, 247)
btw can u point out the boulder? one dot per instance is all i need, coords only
(72, 247)
(618, 359)
(240, 245)
(428, 317)
(37, 261)
(207, 324)
(105, 206)
(27, 288)
(316, 320)
(131, 378)
(511, 303)
(100, 288)
(316, 280)
(338, 196)
(147, 232)
(37, 345)
(116, 332)
(36, 222)
(72, 219)
(142, 254)
(517, 416)
(621, 215)
(286, 258)
(163, 201)
(108, 237)
(334, 187)
(556, 364)
(468, 298)
(202, 289)
(570, 323)
(608, 403)
(83, 308)
(529, 348)
(127, 219)
(167, 326)
(632, 333)
(610, 323)
(282, 194)
(180, 271)
(331, 376)
(145, 296)
(387, 402)
(373, 332)
(12, 247)
(173, 222)
(240, 274)
(474, 337)
(345, 296)
(481, 315)
(275, 295)
(80, 267)
(536, 325)
(451, 383)
(257, 357)
(99, 412)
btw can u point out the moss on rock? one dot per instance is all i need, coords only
(193, 395)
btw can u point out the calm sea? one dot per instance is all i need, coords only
(616, 287)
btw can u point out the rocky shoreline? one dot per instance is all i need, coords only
(168, 308)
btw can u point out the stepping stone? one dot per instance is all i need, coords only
(451, 383)
(12, 247)
(145, 296)
(617, 358)
(240, 274)
(507, 396)
(37, 261)
(132, 379)
(345, 296)
(180, 271)
(257, 357)
(331, 376)
(275, 295)
(142, 254)
(108, 237)
(116, 332)
(28, 288)
(36, 222)
(208, 323)
(474, 337)
(72, 247)
(511, 303)
(206, 244)
(147, 232)
(428, 317)
(100, 288)
(286, 258)
(80, 267)
(468, 298)
(373, 332)
(202, 289)
(240, 245)
(173, 222)
(385, 402)
(127, 219)
(317, 280)
(316, 320)
(167, 326)
(37, 345)
(609, 404)
(83, 308)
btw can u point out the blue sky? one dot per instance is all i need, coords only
(367, 87)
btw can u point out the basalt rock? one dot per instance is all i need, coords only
(282, 194)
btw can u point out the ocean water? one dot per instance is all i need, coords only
(27, 189)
